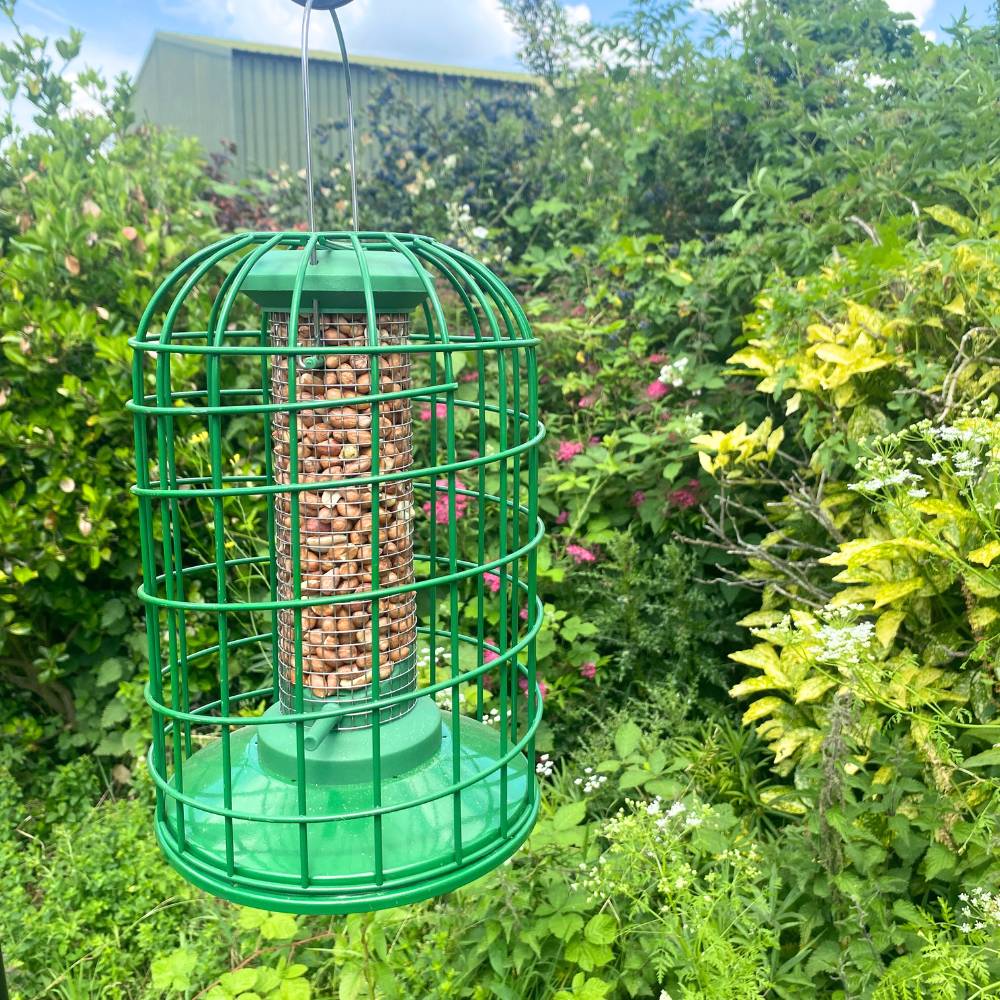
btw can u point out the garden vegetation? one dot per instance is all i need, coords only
(763, 262)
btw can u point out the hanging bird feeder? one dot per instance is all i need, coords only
(377, 569)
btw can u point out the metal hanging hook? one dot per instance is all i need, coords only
(330, 5)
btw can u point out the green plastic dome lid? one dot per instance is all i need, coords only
(335, 281)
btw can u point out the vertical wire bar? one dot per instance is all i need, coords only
(218, 317)
(375, 387)
(432, 493)
(532, 377)
(296, 546)
(272, 537)
(516, 526)
(507, 669)
(147, 548)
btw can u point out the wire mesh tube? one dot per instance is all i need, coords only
(335, 525)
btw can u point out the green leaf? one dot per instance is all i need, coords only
(627, 738)
(174, 971)
(278, 927)
(571, 815)
(239, 981)
(988, 758)
(602, 928)
(938, 860)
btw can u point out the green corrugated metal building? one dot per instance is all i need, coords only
(250, 94)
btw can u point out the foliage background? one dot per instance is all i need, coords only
(764, 267)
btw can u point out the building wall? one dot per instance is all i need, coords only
(251, 94)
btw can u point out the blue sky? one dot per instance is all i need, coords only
(461, 32)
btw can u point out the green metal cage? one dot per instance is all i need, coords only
(337, 490)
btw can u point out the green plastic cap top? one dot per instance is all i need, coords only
(335, 281)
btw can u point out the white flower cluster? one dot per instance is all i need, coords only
(545, 766)
(840, 639)
(896, 477)
(590, 781)
(981, 909)
(672, 373)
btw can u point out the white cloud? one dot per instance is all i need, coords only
(920, 9)
(578, 13)
(463, 32)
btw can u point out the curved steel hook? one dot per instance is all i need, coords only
(331, 6)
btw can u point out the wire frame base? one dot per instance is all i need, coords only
(325, 535)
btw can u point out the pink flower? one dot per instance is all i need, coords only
(656, 390)
(489, 655)
(473, 453)
(588, 671)
(441, 509)
(562, 517)
(656, 359)
(492, 581)
(579, 554)
(470, 376)
(568, 449)
(440, 411)
(587, 401)
(595, 440)
(638, 498)
(543, 688)
(684, 498)
(524, 614)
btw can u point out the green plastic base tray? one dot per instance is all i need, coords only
(427, 848)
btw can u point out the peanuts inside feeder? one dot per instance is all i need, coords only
(335, 519)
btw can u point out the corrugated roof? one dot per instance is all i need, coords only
(376, 62)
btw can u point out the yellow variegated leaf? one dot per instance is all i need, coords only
(814, 688)
(761, 709)
(864, 551)
(985, 554)
(793, 404)
(843, 395)
(752, 685)
(888, 625)
(980, 587)
(942, 508)
(774, 440)
(956, 306)
(817, 331)
(705, 460)
(787, 745)
(833, 353)
(754, 361)
(885, 593)
(982, 617)
(950, 218)
(761, 618)
(761, 656)
(884, 775)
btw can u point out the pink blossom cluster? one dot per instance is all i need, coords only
(579, 554)
(588, 670)
(686, 496)
(568, 450)
(440, 411)
(656, 390)
(543, 688)
(441, 508)
(492, 581)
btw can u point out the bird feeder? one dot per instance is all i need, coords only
(337, 470)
